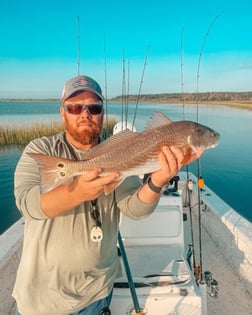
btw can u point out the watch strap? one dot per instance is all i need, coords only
(153, 187)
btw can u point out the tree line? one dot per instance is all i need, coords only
(191, 97)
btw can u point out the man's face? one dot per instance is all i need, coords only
(83, 125)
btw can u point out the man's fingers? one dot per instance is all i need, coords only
(178, 154)
(100, 181)
(174, 157)
(92, 174)
(105, 180)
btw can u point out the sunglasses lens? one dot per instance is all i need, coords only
(75, 110)
(94, 109)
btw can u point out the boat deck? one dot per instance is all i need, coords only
(226, 250)
(234, 295)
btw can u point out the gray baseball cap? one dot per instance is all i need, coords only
(81, 83)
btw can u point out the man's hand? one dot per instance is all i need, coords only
(171, 161)
(91, 185)
(83, 188)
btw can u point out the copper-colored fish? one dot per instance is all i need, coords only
(130, 153)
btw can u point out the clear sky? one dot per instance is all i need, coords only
(39, 40)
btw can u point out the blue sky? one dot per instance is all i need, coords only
(38, 48)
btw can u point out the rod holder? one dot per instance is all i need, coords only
(212, 284)
(214, 288)
(208, 277)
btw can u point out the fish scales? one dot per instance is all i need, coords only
(130, 153)
(143, 146)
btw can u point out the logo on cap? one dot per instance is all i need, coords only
(81, 82)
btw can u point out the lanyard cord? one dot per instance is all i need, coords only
(95, 214)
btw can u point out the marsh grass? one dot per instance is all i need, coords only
(21, 134)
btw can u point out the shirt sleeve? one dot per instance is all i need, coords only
(128, 201)
(27, 184)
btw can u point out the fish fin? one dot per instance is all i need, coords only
(53, 171)
(110, 143)
(157, 119)
(112, 186)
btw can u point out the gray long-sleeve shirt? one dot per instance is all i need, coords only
(61, 269)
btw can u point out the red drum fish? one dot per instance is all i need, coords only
(130, 153)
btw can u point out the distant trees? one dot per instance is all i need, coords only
(192, 97)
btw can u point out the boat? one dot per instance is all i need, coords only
(161, 278)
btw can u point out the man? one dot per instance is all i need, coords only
(69, 260)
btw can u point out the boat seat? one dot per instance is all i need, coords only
(163, 226)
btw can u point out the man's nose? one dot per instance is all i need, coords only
(85, 112)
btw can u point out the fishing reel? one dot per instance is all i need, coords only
(212, 284)
(172, 186)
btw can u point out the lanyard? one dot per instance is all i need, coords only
(96, 233)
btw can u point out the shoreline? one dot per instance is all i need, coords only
(246, 104)
(242, 104)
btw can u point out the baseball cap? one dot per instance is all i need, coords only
(81, 83)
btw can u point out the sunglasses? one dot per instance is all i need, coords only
(93, 109)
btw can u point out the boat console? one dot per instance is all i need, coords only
(155, 250)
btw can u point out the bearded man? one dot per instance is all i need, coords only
(70, 260)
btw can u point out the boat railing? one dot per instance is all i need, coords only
(10, 252)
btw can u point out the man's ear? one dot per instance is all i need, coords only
(62, 113)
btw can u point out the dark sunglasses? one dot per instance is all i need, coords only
(93, 109)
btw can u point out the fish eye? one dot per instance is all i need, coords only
(61, 165)
(200, 130)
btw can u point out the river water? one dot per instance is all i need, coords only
(226, 169)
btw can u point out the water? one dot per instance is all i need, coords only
(19, 112)
(227, 169)
(8, 212)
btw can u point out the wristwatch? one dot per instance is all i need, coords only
(153, 187)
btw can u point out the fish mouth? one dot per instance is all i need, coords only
(213, 145)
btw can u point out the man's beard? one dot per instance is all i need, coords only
(86, 136)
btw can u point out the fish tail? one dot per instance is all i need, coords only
(53, 171)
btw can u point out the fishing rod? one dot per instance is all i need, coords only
(200, 188)
(191, 249)
(105, 132)
(140, 87)
(120, 242)
(137, 307)
(125, 94)
(124, 103)
(78, 45)
(138, 310)
(199, 62)
(105, 65)
(126, 99)
(182, 72)
(119, 238)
